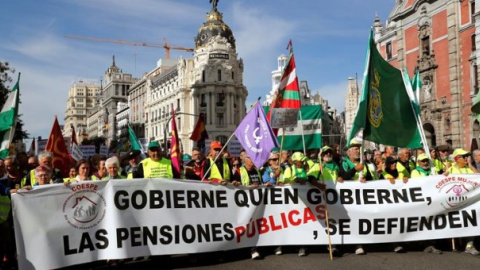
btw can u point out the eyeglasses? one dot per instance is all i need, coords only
(217, 149)
(424, 160)
(274, 159)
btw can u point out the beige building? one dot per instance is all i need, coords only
(210, 83)
(351, 104)
(82, 97)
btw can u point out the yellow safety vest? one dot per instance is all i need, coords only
(456, 170)
(246, 178)
(328, 174)
(402, 169)
(157, 169)
(95, 178)
(215, 172)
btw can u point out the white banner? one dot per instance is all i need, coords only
(58, 226)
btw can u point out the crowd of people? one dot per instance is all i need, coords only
(23, 172)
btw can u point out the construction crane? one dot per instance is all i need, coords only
(165, 45)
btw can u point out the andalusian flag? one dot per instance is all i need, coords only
(288, 92)
(8, 119)
(385, 112)
(175, 149)
(133, 140)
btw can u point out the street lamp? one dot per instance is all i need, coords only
(166, 125)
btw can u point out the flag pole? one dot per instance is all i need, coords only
(326, 210)
(303, 136)
(408, 87)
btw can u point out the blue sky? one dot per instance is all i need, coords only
(329, 39)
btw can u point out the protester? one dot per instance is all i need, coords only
(216, 170)
(404, 164)
(273, 172)
(391, 172)
(83, 170)
(235, 164)
(45, 159)
(352, 168)
(133, 158)
(113, 168)
(101, 169)
(475, 164)
(330, 170)
(156, 166)
(72, 173)
(423, 167)
(285, 159)
(43, 176)
(194, 168)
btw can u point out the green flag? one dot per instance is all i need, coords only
(385, 111)
(8, 119)
(133, 140)
(311, 120)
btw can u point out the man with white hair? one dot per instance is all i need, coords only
(475, 164)
(45, 158)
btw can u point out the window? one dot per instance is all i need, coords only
(388, 49)
(220, 122)
(178, 104)
(219, 74)
(472, 11)
(203, 75)
(233, 75)
(474, 47)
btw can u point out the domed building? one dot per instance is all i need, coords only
(209, 84)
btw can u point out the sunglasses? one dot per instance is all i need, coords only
(274, 159)
(424, 160)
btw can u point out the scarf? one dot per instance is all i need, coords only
(426, 172)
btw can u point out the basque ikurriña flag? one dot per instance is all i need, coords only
(288, 91)
(256, 136)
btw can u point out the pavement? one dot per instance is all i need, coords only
(379, 257)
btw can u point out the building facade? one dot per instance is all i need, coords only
(115, 90)
(82, 97)
(351, 104)
(439, 39)
(209, 84)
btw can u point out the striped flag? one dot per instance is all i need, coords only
(175, 149)
(288, 91)
(199, 132)
(8, 119)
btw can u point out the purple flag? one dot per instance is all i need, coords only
(256, 135)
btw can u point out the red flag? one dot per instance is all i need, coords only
(32, 151)
(199, 132)
(288, 91)
(175, 149)
(56, 145)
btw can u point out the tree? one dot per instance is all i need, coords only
(20, 134)
(5, 78)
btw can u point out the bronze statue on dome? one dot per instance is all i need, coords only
(214, 3)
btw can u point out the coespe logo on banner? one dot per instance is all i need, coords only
(85, 208)
(456, 190)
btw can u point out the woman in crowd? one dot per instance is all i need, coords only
(83, 170)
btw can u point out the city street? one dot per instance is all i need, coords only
(318, 259)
